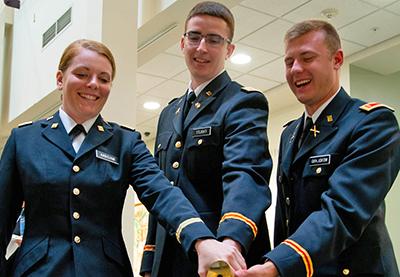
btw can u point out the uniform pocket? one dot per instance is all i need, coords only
(316, 173)
(160, 152)
(114, 252)
(30, 254)
(203, 159)
(321, 165)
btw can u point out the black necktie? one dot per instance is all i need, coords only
(76, 131)
(189, 100)
(306, 131)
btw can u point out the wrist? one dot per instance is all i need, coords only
(200, 243)
(233, 243)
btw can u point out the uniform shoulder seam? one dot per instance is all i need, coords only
(288, 123)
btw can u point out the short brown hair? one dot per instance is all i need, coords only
(72, 51)
(216, 9)
(332, 39)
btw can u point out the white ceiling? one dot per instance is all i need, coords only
(260, 27)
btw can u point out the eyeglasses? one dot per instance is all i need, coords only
(195, 38)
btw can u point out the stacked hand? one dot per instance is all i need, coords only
(260, 270)
(210, 250)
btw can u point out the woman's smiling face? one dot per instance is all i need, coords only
(85, 85)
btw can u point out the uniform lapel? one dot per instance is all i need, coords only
(289, 148)
(54, 131)
(311, 142)
(98, 134)
(325, 124)
(178, 118)
(206, 97)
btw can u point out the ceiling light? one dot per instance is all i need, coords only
(240, 58)
(330, 13)
(151, 105)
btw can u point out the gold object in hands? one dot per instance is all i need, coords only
(219, 269)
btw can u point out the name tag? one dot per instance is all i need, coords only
(320, 160)
(106, 157)
(202, 132)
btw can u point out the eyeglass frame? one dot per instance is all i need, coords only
(206, 37)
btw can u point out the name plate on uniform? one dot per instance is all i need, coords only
(106, 157)
(202, 132)
(320, 160)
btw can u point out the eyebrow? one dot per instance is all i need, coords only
(88, 68)
(308, 52)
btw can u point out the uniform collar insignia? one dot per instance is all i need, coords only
(315, 131)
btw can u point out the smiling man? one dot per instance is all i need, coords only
(337, 162)
(211, 142)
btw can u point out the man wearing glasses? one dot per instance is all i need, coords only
(211, 142)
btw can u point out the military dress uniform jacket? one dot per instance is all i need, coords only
(74, 201)
(218, 155)
(330, 215)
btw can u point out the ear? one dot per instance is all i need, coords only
(230, 48)
(338, 59)
(182, 44)
(59, 79)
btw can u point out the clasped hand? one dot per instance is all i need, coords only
(210, 250)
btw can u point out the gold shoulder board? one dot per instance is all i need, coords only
(373, 106)
(25, 124)
(127, 128)
(248, 89)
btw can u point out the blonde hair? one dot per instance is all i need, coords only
(72, 51)
(332, 39)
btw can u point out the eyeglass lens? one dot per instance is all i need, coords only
(212, 39)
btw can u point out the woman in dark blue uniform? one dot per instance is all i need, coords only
(73, 170)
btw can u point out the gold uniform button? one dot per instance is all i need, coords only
(76, 215)
(318, 170)
(200, 141)
(76, 191)
(346, 271)
(288, 201)
(77, 239)
(178, 144)
(172, 183)
(175, 165)
(76, 168)
(197, 105)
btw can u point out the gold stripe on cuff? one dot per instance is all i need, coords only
(242, 218)
(303, 254)
(184, 224)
